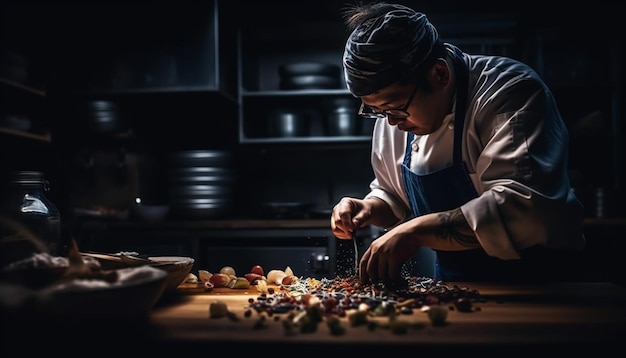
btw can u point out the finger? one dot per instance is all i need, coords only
(363, 264)
(340, 232)
(372, 269)
(346, 221)
(383, 268)
(345, 210)
(341, 220)
(336, 223)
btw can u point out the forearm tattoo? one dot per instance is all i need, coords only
(455, 228)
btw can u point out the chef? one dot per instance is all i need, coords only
(469, 154)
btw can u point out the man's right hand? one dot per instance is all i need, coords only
(348, 215)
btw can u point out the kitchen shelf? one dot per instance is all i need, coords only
(265, 47)
(314, 105)
(15, 89)
(309, 140)
(155, 48)
(166, 90)
(296, 93)
(46, 137)
(22, 87)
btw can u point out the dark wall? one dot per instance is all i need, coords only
(578, 52)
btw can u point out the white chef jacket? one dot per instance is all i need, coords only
(515, 146)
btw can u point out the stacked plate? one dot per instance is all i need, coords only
(309, 75)
(201, 183)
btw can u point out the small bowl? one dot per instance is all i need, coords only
(177, 268)
(151, 213)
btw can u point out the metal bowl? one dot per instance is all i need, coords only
(288, 123)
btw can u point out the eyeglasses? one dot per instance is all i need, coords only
(368, 112)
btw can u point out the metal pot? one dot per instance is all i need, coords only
(288, 123)
(102, 116)
(342, 119)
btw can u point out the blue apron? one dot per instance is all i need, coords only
(450, 188)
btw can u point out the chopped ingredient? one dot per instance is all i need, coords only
(218, 309)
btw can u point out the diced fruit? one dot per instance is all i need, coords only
(275, 276)
(261, 286)
(218, 309)
(251, 277)
(257, 269)
(438, 315)
(463, 304)
(241, 282)
(204, 275)
(191, 278)
(228, 270)
(219, 280)
(288, 280)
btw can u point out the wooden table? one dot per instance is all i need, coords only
(562, 315)
(567, 316)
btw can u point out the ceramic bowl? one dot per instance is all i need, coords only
(177, 268)
(132, 294)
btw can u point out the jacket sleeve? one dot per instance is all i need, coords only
(518, 156)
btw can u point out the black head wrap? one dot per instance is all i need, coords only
(384, 48)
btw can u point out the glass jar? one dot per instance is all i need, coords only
(23, 200)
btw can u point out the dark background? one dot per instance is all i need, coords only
(225, 85)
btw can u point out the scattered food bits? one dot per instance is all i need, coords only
(300, 305)
(204, 275)
(463, 304)
(334, 325)
(358, 318)
(218, 309)
(438, 315)
(241, 283)
(260, 323)
(228, 270)
(191, 278)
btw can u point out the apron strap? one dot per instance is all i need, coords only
(462, 78)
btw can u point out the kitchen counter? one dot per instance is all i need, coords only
(567, 316)
(554, 314)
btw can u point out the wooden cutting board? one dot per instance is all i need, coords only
(194, 289)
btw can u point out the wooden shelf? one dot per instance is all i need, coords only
(18, 133)
(22, 87)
